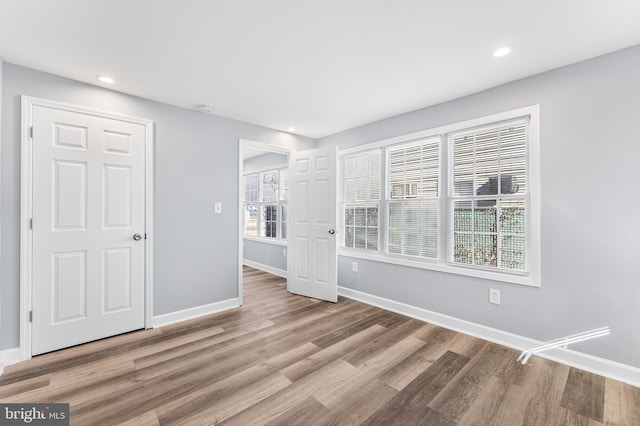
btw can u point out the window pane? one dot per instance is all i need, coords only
(372, 216)
(395, 241)
(269, 220)
(251, 191)
(361, 181)
(413, 228)
(513, 158)
(360, 216)
(284, 184)
(372, 238)
(462, 215)
(348, 237)
(361, 226)
(462, 248)
(463, 165)
(251, 219)
(490, 162)
(269, 186)
(486, 250)
(349, 190)
(513, 253)
(348, 216)
(360, 237)
(484, 219)
(512, 216)
(349, 167)
(414, 169)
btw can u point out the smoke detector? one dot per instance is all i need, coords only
(203, 108)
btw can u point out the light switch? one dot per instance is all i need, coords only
(217, 208)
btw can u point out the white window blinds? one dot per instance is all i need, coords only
(488, 196)
(361, 199)
(413, 179)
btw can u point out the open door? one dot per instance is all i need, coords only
(312, 260)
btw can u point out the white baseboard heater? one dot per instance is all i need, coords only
(564, 342)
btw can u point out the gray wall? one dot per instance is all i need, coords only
(264, 162)
(589, 219)
(265, 253)
(196, 164)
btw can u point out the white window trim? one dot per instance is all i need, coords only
(532, 278)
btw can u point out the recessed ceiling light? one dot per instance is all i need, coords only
(291, 129)
(501, 51)
(105, 79)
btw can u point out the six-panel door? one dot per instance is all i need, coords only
(312, 260)
(88, 203)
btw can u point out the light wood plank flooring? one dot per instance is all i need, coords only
(285, 359)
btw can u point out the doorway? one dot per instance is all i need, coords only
(263, 198)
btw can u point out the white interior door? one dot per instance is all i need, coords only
(88, 228)
(311, 240)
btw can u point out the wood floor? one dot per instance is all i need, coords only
(285, 359)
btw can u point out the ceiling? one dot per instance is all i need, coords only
(319, 66)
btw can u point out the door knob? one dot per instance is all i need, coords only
(332, 231)
(137, 237)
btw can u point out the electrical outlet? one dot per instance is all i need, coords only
(217, 208)
(494, 296)
(354, 266)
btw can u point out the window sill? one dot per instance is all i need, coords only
(265, 240)
(440, 267)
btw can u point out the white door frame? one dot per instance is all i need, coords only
(242, 144)
(26, 208)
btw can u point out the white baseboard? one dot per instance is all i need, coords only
(8, 357)
(266, 268)
(12, 356)
(603, 367)
(191, 313)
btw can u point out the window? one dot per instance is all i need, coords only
(361, 200)
(284, 186)
(469, 207)
(413, 175)
(488, 192)
(265, 204)
(251, 197)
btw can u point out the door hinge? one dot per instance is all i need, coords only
(145, 236)
(31, 132)
(30, 316)
(31, 223)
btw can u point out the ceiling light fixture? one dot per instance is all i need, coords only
(501, 51)
(105, 79)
